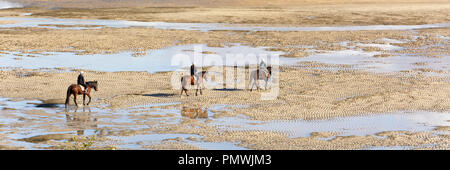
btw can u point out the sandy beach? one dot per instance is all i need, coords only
(356, 75)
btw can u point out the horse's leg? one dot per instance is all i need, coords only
(89, 98)
(185, 91)
(265, 87)
(75, 99)
(257, 84)
(196, 90)
(251, 83)
(67, 100)
(201, 86)
(69, 92)
(84, 99)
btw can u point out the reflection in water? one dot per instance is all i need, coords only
(194, 112)
(81, 121)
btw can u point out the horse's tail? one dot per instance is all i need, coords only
(68, 94)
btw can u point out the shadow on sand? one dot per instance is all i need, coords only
(49, 105)
(159, 95)
(229, 89)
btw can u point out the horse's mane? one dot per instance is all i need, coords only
(91, 82)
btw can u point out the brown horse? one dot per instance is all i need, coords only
(186, 80)
(260, 74)
(76, 90)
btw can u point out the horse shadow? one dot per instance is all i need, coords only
(159, 95)
(225, 89)
(49, 105)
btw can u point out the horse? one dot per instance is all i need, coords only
(260, 74)
(76, 90)
(199, 82)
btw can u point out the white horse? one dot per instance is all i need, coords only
(260, 74)
(186, 80)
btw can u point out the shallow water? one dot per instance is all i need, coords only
(37, 22)
(372, 61)
(367, 61)
(414, 121)
(152, 61)
(18, 124)
(88, 121)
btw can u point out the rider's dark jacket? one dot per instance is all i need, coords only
(193, 70)
(80, 80)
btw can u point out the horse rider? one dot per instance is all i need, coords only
(193, 75)
(81, 82)
(262, 65)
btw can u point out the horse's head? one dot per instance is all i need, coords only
(270, 71)
(204, 75)
(92, 84)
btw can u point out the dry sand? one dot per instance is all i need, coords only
(293, 13)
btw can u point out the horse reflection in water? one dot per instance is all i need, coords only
(81, 121)
(194, 113)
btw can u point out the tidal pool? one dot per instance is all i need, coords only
(366, 61)
(167, 59)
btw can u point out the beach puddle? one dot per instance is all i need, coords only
(363, 60)
(161, 60)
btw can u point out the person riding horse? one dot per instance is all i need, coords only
(193, 75)
(262, 65)
(263, 72)
(81, 82)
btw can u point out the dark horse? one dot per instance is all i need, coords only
(186, 80)
(260, 74)
(76, 90)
